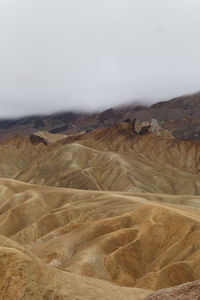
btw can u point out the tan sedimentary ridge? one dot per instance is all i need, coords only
(122, 238)
(113, 210)
(23, 276)
(114, 159)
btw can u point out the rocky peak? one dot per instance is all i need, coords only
(153, 126)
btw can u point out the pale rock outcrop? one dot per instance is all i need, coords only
(45, 137)
(151, 127)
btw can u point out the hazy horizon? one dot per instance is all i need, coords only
(92, 55)
(86, 111)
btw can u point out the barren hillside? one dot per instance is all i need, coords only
(124, 238)
(111, 209)
(114, 159)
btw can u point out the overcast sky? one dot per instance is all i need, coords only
(90, 54)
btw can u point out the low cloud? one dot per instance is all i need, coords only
(93, 54)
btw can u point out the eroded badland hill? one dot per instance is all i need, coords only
(113, 213)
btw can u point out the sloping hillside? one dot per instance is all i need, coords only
(123, 238)
(180, 115)
(111, 209)
(115, 159)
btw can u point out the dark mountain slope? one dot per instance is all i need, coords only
(180, 115)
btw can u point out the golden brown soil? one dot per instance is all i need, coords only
(126, 221)
(121, 237)
(112, 159)
(25, 277)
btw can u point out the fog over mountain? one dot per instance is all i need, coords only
(94, 54)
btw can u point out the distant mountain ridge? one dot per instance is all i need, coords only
(111, 213)
(180, 115)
